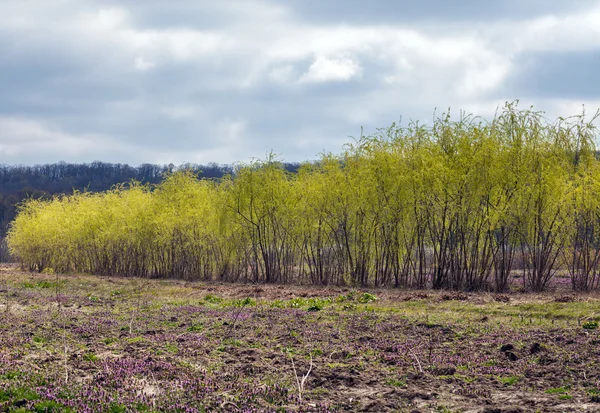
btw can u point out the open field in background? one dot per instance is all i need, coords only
(88, 343)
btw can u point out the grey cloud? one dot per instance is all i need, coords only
(570, 75)
(418, 11)
(224, 81)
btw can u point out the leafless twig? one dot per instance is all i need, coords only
(237, 315)
(418, 362)
(301, 383)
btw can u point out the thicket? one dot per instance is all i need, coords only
(21, 182)
(453, 205)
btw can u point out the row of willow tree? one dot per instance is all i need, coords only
(463, 204)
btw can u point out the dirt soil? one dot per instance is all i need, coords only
(86, 343)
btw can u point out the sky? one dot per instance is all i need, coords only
(149, 81)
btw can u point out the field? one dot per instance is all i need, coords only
(89, 343)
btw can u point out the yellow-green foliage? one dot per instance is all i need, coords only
(460, 205)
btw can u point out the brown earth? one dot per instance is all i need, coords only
(164, 345)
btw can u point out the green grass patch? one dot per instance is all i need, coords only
(557, 390)
(509, 380)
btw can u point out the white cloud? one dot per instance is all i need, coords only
(572, 32)
(22, 137)
(25, 138)
(326, 69)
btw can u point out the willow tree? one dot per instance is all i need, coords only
(575, 138)
(319, 186)
(260, 197)
(187, 238)
(542, 201)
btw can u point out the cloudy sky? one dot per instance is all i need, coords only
(222, 81)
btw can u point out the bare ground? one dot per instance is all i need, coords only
(85, 343)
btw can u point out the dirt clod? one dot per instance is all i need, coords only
(535, 348)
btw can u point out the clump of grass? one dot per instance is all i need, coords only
(90, 357)
(396, 383)
(590, 325)
(509, 380)
(213, 299)
(367, 298)
(194, 328)
(557, 390)
(565, 397)
(43, 284)
(39, 339)
(246, 302)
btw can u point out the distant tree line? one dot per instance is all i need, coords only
(461, 204)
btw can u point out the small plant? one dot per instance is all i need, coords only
(277, 304)
(41, 284)
(565, 397)
(593, 392)
(316, 352)
(90, 357)
(171, 348)
(213, 299)
(18, 393)
(194, 328)
(367, 298)
(590, 325)
(350, 296)
(116, 293)
(10, 375)
(246, 302)
(395, 383)
(50, 406)
(49, 284)
(232, 342)
(117, 408)
(508, 381)
(297, 303)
